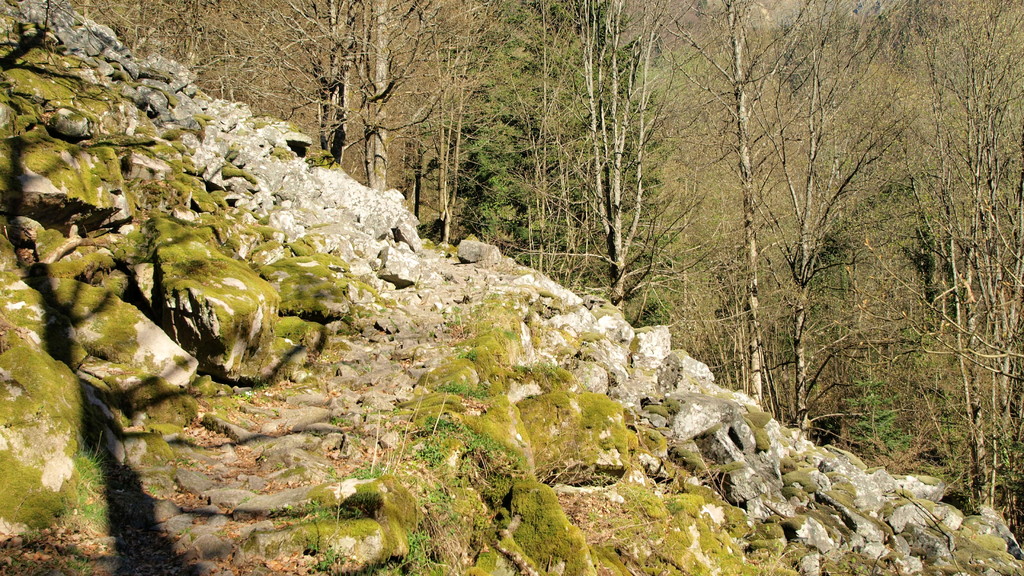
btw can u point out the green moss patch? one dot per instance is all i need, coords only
(456, 376)
(502, 425)
(217, 308)
(89, 265)
(476, 450)
(45, 76)
(228, 172)
(115, 331)
(57, 183)
(41, 411)
(801, 478)
(544, 533)
(26, 308)
(317, 287)
(311, 335)
(577, 438)
(383, 500)
(425, 410)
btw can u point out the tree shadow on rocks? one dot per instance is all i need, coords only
(141, 549)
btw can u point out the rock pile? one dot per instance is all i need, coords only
(259, 367)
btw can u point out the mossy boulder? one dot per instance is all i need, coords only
(427, 408)
(92, 265)
(113, 330)
(360, 540)
(381, 509)
(69, 124)
(815, 531)
(26, 308)
(456, 376)
(214, 307)
(577, 439)
(141, 396)
(990, 542)
(41, 412)
(316, 287)
(48, 80)
(803, 478)
(299, 332)
(59, 184)
(502, 425)
(544, 534)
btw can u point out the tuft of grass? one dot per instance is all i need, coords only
(464, 389)
(88, 511)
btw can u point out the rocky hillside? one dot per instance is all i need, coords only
(219, 358)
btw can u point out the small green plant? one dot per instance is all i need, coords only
(369, 472)
(327, 561)
(246, 394)
(418, 560)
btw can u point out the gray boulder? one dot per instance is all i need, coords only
(651, 346)
(907, 514)
(592, 376)
(698, 414)
(870, 488)
(810, 531)
(679, 371)
(473, 252)
(397, 267)
(553, 294)
(923, 487)
(615, 328)
(406, 233)
(177, 77)
(70, 125)
(724, 436)
(137, 166)
(930, 545)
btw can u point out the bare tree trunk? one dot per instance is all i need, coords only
(827, 136)
(755, 352)
(379, 84)
(801, 403)
(617, 69)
